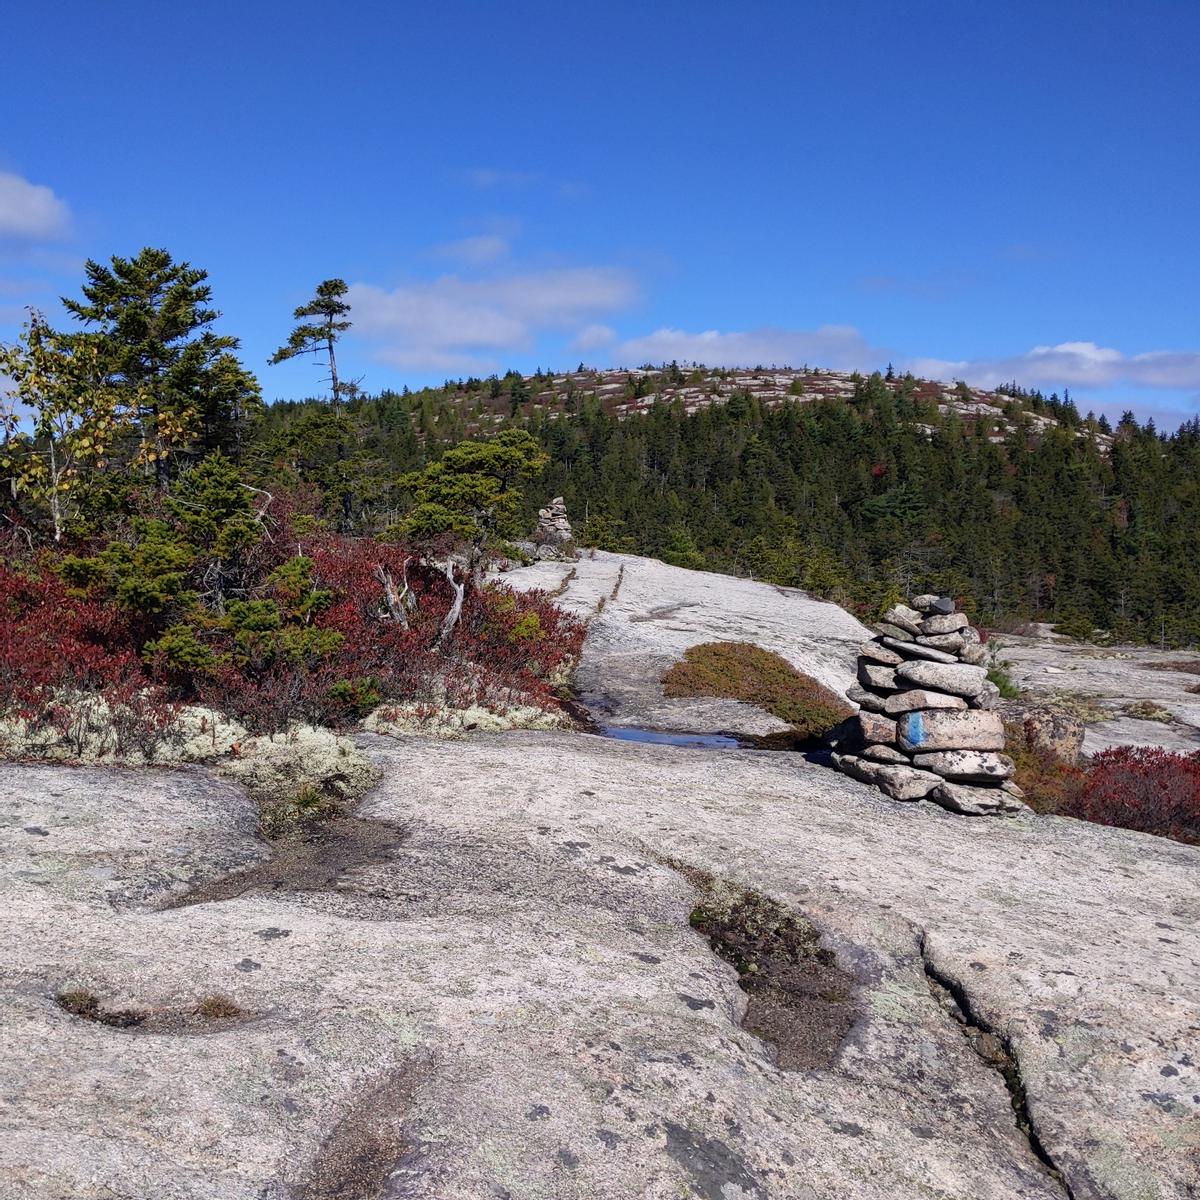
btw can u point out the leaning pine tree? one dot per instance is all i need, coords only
(319, 336)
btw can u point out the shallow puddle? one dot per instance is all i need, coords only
(663, 737)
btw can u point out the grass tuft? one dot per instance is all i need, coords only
(218, 1007)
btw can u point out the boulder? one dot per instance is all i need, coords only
(967, 766)
(924, 602)
(864, 699)
(898, 782)
(894, 632)
(1013, 789)
(970, 635)
(934, 729)
(907, 618)
(875, 675)
(951, 643)
(916, 650)
(974, 653)
(943, 605)
(861, 730)
(915, 698)
(988, 698)
(874, 728)
(1046, 727)
(877, 652)
(885, 754)
(959, 679)
(944, 623)
(974, 801)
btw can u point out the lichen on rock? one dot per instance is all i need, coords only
(397, 720)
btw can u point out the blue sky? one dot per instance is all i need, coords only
(975, 191)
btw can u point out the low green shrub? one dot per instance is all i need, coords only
(741, 671)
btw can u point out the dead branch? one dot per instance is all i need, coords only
(396, 604)
(260, 513)
(452, 617)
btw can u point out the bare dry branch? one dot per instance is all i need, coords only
(393, 609)
(452, 617)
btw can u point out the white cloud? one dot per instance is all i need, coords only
(30, 210)
(445, 324)
(476, 251)
(593, 337)
(1072, 365)
(837, 347)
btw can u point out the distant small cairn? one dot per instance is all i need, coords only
(553, 536)
(927, 726)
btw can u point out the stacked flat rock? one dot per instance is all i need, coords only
(927, 726)
(553, 532)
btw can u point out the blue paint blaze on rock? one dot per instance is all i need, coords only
(914, 729)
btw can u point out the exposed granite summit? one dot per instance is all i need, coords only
(486, 982)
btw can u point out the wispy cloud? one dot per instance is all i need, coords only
(940, 285)
(593, 337)
(838, 347)
(453, 323)
(1072, 364)
(31, 210)
(478, 251)
(487, 179)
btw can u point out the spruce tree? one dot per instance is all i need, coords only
(151, 318)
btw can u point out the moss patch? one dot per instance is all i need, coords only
(800, 1000)
(313, 857)
(1148, 710)
(210, 1014)
(741, 671)
(1082, 705)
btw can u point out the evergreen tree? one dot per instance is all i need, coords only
(319, 336)
(152, 319)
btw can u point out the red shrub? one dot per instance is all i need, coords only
(1143, 788)
(335, 659)
(51, 641)
(53, 645)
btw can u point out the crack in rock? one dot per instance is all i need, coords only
(995, 1050)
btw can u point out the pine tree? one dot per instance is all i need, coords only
(320, 336)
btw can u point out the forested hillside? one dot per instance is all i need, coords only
(1020, 506)
(860, 489)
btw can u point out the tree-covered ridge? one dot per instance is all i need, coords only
(857, 488)
(1015, 503)
(483, 404)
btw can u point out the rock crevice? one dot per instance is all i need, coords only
(994, 1049)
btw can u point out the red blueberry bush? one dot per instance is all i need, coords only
(1143, 788)
(304, 637)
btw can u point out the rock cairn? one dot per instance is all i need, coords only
(927, 726)
(553, 531)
